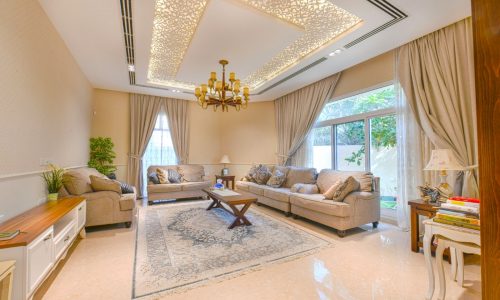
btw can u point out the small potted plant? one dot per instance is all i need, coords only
(102, 155)
(54, 181)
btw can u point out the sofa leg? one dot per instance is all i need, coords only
(128, 224)
(341, 233)
(295, 216)
(287, 214)
(258, 204)
(375, 224)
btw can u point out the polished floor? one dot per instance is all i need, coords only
(367, 264)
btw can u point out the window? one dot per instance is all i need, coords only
(160, 150)
(358, 133)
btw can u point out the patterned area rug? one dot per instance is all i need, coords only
(181, 246)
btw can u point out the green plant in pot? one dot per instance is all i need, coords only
(54, 181)
(102, 155)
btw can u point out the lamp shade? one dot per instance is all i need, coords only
(225, 159)
(443, 159)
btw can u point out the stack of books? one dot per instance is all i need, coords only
(459, 211)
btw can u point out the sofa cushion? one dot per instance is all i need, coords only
(251, 173)
(317, 202)
(257, 189)
(103, 184)
(300, 175)
(165, 188)
(174, 176)
(327, 177)
(194, 186)
(304, 188)
(191, 173)
(277, 179)
(278, 194)
(162, 175)
(127, 201)
(77, 181)
(242, 185)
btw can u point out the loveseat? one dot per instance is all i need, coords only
(193, 180)
(103, 207)
(357, 208)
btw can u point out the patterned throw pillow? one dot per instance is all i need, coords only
(153, 177)
(349, 185)
(250, 174)
(162, 175)
(329, 193)
(304, 188)
(262, 174)
(277, 179)
(174, 176)
(126, 188)
(104, 184)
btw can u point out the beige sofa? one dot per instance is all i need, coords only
(103, 207)
(183, 190)
(358, 208)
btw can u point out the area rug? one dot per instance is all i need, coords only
(181, 246)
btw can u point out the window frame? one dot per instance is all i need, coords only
(358, 117)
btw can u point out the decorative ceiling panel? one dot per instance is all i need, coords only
(176, 21)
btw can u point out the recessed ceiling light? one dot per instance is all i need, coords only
(175, 91)
(335, 52)
(131, 68)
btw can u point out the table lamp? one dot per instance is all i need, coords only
(443, 160)
(225, 160)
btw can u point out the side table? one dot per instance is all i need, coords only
(226, 179)
(420, 208)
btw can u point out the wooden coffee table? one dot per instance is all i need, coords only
(232, 201)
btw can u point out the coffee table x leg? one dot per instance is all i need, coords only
(240, 215)
(215, 203)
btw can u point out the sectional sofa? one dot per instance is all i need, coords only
(358, 208)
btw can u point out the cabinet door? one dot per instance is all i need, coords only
(81, 215)
(40, 258)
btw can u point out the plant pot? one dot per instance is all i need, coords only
(52, 196)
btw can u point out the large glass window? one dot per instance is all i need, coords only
(358, 133)
(160, 150)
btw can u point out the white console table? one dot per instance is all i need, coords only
(47, 231)
(453, 233)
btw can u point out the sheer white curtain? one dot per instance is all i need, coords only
(160, 149)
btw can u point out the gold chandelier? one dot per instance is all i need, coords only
(221, 93)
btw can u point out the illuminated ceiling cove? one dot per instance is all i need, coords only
(175, 23)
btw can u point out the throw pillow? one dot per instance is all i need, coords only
(126, 188)
(174, 176)
(262, 174)
(153, 177)
(304, 188)
(348, 186)
(162, 175)
(277, 179)
(331, 191)
(250, 174)
(104, 184)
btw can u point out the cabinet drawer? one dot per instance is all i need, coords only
(40, 258)
(64, 239)
(81, 212)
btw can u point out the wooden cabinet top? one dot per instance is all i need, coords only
(35, 221)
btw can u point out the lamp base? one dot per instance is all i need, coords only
(224, 172)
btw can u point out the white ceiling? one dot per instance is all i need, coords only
(92, 30)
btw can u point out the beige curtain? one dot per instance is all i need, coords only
(178, 122)
(296, 114)
(437, 76)
(144, 110)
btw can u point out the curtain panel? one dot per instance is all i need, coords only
(144, 110)
(296, 114)
(436, 73)
(178, 121)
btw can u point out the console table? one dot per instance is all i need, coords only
(47, 231)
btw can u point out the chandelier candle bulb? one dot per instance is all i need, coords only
(204, 88)
(232, 76)
(197, 92)
(246, 91)
(213, 76)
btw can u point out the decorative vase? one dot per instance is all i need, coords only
(52, 196)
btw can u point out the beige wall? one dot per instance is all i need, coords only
(370, 73)
(45, 105)
(111, 118)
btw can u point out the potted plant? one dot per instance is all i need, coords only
(102, 155)
(54, 181)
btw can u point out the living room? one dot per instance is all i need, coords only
(354, 160)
